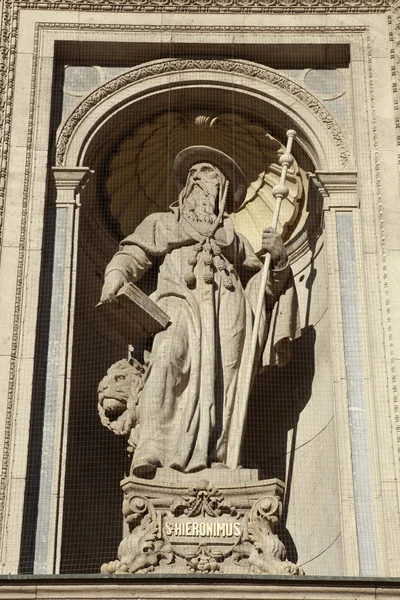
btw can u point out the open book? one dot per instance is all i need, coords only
(133, 315)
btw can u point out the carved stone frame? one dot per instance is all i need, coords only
(26, 144)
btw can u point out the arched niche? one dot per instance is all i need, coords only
(101, 121)
(86, 141)
(250, 86)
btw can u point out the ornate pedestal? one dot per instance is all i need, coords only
(214, 521)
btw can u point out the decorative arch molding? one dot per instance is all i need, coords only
(320, 134)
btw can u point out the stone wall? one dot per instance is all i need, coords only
(327, 69)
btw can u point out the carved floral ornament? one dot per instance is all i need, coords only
(202, 531)
(243, 68)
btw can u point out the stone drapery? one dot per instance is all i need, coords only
(193, 387)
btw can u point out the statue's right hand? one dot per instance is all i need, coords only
(112, 283)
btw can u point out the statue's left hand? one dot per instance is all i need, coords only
(272, 242)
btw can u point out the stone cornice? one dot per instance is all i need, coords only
(218, 587)
(338, 189)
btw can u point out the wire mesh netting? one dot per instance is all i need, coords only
(197, 250)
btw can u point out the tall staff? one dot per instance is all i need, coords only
(279, 191)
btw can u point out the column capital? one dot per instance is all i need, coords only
(337, 188)
(69, 182)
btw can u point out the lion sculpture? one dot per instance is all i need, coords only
(119, 399)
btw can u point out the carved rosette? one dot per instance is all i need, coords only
(203, 562)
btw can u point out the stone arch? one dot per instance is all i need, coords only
(320, 135)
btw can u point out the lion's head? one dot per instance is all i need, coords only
(119, 394)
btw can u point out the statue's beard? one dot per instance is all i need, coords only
(199, 204)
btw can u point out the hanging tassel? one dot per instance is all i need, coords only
(228, 283)
(226, 278)
(190, 277)
(208, 275)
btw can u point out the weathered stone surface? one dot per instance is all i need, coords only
(192, 405)
(188, 405)
(197, 527)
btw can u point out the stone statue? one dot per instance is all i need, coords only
(119, 393)
(208, 283)
(180, 410)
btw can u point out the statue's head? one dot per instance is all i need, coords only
(206, 178)
(202, 193)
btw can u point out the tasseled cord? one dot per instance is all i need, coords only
(213, 252)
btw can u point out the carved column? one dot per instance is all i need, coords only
(341, 204)
(69, 183)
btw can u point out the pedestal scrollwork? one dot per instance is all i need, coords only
(202, 499)
(143, 549)
(202, 529)
(263, 551)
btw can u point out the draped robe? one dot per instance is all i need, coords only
(194, 380)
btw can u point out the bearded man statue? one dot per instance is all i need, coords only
(208, 283)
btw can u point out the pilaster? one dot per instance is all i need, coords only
(340, 201)
(69, 184)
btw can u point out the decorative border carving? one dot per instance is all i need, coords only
(167, 66)
(234, 6)
(315, 29)
(8, 48)
(394, 37)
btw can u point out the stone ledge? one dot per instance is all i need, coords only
(76, 587)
